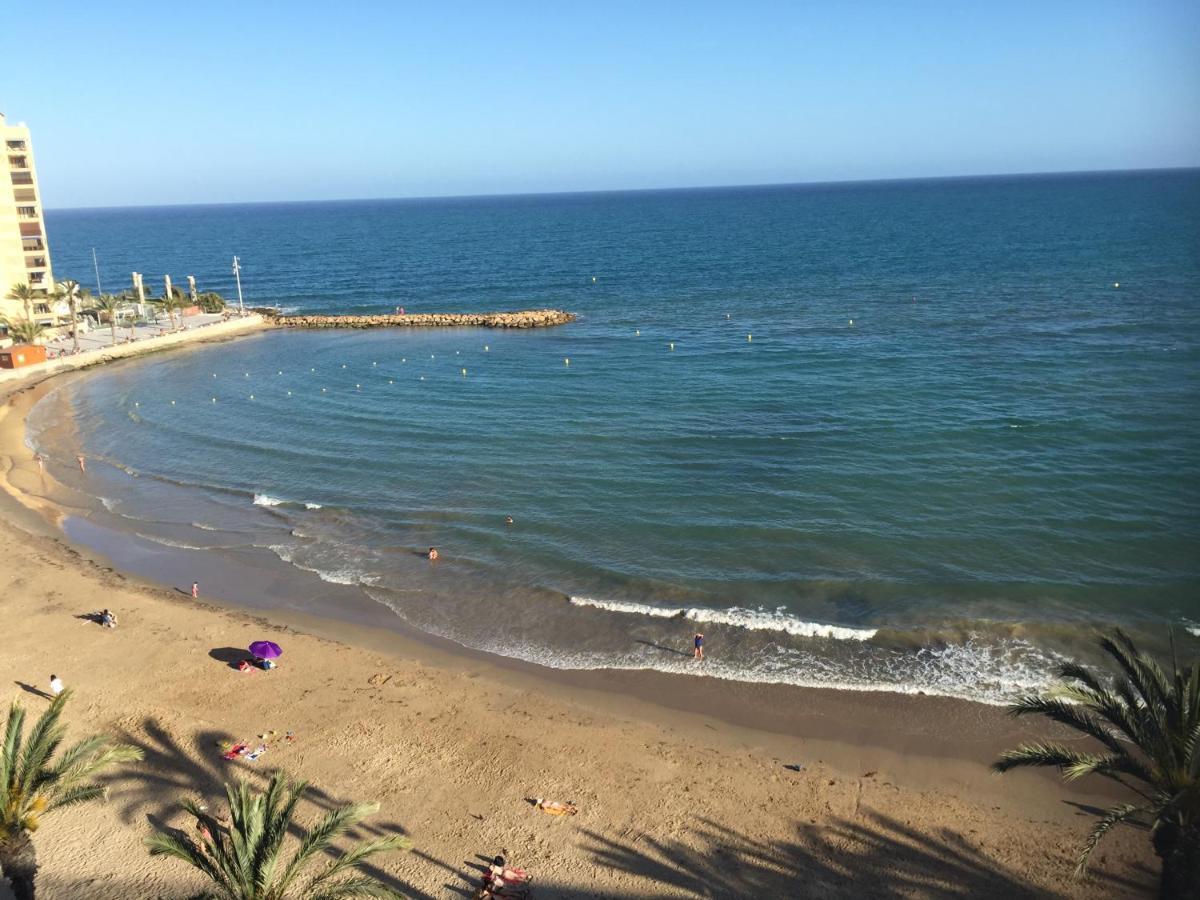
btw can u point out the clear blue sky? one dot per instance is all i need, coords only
(206, 102)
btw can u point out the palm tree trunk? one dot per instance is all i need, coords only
(1179, 849)
(18, 863)
(74, 327)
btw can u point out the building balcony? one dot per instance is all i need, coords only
(30, 229)
(24, 195)
(16, 145)
(35, 262)
(18, 162)
(32, 245)
(22, 178)
(36, 278)
(27, 212)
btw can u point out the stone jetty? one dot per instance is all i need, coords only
(532, 318)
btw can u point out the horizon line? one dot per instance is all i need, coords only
(642, 190)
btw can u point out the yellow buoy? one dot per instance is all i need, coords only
(390, 381)
(312, 370)
(280, 372)
(358, 386)
(247, 374)
(567, 361)
(404, 360)
(486, 348)
(135, 403)
(727, 315)
(172, 402)
(422, 377)
(456, 352)
(322, 390)
(637, 332)
(214, 400)
(214, 374)
(672, 345)
(343, 365)
(289, 393)
(374, 363)
(593, 279)
(749, 338)
(1116, 284)
(464, 371)
(251, 396)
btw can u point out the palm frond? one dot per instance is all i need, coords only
(41, 742)
(319, 839)
(160, 843)
(1074, 715)
(363, 886)
(356, 855)
(76, 795)
(1110, 820)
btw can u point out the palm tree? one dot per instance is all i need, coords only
(170, 302)
(23, 292)
(1148, 724)
(22, 331)
(244, 861)
(109, 305)
(33, 784)
(69, 290)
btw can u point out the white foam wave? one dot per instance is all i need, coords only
(167, 542)
(761, 620)
(204, 527)
(621, 606)
(1193, 629)
(267, 500)
(312, 505)
(750, 619)
(336, 576)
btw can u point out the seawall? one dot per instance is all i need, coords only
(535, 318)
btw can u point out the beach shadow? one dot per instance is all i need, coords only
(29, 688)
(170, 772)
(229, 655)
(664, 648)
(871, 856)
(92, 617)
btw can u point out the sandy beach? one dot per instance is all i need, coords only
(682, 783)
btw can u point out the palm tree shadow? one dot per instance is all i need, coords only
(874, 856)
(170, 773)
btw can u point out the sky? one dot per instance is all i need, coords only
(159, 103)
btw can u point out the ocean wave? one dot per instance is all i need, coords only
(750, 619)
(621, 606)
(334, 576)
(268, 500)
(168, 542)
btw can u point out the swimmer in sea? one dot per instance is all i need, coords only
(508, 520)
(698, 642)
(433, 554)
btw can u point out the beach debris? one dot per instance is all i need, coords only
(556, 807)
(794, 767)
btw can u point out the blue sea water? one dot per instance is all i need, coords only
(920, 435)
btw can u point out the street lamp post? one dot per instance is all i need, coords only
(237, 274)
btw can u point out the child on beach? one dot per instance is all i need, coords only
(195, 590)
(698, 643)
(56, 685)
(107, 619)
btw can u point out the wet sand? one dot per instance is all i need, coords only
(681, 782)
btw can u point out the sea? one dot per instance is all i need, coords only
(924, 436)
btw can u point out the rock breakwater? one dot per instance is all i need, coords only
(534, 318)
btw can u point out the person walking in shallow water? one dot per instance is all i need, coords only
(195, 590)
(41, 461)
(698, 643)
(82, 463)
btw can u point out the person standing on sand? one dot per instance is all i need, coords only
(195, 590)
(56, 685)
(698, 643)
(82, 463)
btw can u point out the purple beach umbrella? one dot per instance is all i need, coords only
(266, 649)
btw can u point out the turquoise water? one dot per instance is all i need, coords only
(951, 450)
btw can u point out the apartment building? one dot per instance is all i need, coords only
(24, 252)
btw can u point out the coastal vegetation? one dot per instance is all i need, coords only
(109, 305)
(34, 783)
(68, 290)
(1148, 723)
(244, 859)
(26, 294)
(22, 331)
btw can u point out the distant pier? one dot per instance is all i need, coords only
(534, 318)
